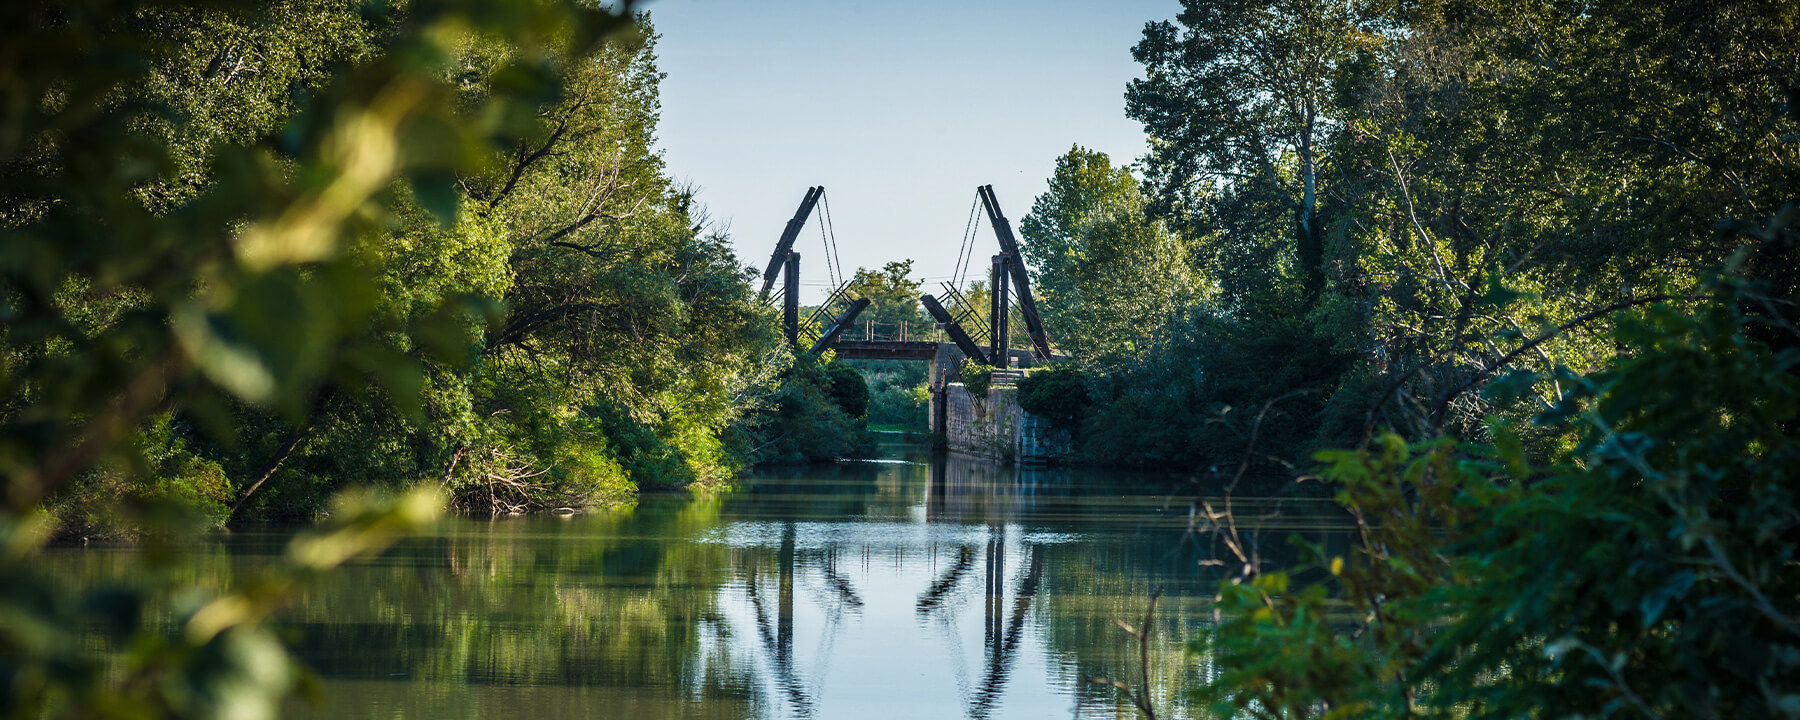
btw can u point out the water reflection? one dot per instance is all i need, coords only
(922, 588)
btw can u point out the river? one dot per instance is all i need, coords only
(916, 586)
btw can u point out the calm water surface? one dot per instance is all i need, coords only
(914, 587)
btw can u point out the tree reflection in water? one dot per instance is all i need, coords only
(841, 591)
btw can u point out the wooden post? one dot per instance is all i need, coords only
(790, 301)
(1021, 279)
(997, 329)
(951, 328)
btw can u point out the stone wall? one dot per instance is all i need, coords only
(984, 427)
(943, 371)
(991, 427)
(1040, 442)
(996, 427)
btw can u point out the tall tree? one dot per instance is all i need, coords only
(1239, 93)
(625, 340)
(892, 292)
(1110, 275)
(182, 191)
(134, 287)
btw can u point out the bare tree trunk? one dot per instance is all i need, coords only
(273, 465)
(323, 396)
(457, 456)
(1309, 247)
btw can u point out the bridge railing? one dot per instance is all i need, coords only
(1006, 377)
(877, 331)
(921, 331)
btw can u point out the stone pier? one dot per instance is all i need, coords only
(991, 427)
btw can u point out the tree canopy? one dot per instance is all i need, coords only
(892, 292)
(1482, 201)
(1111, 276)
(1515, 281)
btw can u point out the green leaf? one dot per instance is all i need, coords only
(224, 358)
(436, 191)
(1652, 605)
(1498, 295)
(1512, 386)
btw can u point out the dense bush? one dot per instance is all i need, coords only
(806, 421)
(898, 396)
(1058, 393)
(848, 389)
(903, 407)
(169, 478)
(1215, 390)
(1651, 573)
(976, 377)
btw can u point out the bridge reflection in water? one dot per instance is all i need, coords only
(987, 591)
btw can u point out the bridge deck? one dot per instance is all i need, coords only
(885, 350)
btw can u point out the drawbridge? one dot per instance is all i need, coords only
(981, 334)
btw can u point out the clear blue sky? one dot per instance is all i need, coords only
(900, 109)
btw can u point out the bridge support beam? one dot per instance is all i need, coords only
(788, 235)
(999, 283)
(952, 328)
(1009, 246)
(840, 325)
(790, 300)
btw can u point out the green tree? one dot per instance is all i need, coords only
(892, 292)
(1241, 93)
(1083, 183)
(815, 415)
(1058, 393)
(1485, 203)
(627, 343)
(848, 389)
(185, 193)
(1473, 590)
(1111, 276)
(1487, 190)
(130, 296)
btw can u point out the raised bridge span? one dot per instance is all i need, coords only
(993, 425)
(980, 334)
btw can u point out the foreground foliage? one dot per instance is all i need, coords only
(254, 256)
(180, 653)
(1651, 574)
(257, 253)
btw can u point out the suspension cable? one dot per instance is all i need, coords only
(968, 244)
(830, 267)
(833, 254)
